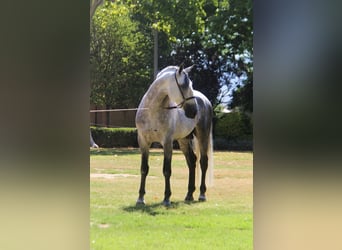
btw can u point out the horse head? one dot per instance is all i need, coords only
(183, 93)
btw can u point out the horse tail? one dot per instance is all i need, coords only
(210, 154)
(210, 159)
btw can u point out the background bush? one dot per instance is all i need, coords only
(115, 137)
(232, 126)
(233, 131)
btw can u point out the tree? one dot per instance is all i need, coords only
(230, 35)
(118, 57)
(94, 4)
(243, 97)
(214, 35)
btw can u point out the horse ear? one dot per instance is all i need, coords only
(181, 67)
(188, 69)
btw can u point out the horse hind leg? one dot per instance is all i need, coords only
(185, 146)
(204, 144)
(204, 167)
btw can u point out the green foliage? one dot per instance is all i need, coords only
(215, 35)
(119, 58)
(232, 131)
(115, 137)
(175, 18)
(243, 97)
(221, 47)
(233, 126)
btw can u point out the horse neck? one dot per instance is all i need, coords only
(156, 97)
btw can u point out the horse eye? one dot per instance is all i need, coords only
(186, 81)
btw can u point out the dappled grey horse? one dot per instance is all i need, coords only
(171, 110)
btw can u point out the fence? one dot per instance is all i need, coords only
(118, 118)
(229, 140)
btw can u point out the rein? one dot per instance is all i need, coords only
(180, 105)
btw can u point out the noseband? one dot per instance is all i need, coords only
(180, 105)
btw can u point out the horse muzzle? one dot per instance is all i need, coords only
(190, 110)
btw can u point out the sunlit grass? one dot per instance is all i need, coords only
(225, 221)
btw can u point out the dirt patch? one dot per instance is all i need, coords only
(112, 176)
(103, 225)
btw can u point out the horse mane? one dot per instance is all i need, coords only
(168, 68)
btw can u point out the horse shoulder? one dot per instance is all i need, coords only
(183, 125)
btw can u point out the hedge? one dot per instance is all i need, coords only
(233, 131)
(232, 126)
(233, 145)
(114, 137)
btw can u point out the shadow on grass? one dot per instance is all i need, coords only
(156, 208)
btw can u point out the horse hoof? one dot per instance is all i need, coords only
(140, 202)
(167, 203)
(202, 198)
(189, 198)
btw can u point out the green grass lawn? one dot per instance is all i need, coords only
(224, 221)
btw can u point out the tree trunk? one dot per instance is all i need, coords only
(108, 116)
(155, 54)
(93, 6)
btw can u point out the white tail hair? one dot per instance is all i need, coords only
(210, 172)
(210, 175)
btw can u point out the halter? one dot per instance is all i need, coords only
(180, 105)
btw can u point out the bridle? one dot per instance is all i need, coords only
(180, 105)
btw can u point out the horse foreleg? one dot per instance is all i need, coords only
(204, 167)
(144, 172)
(167, 172)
